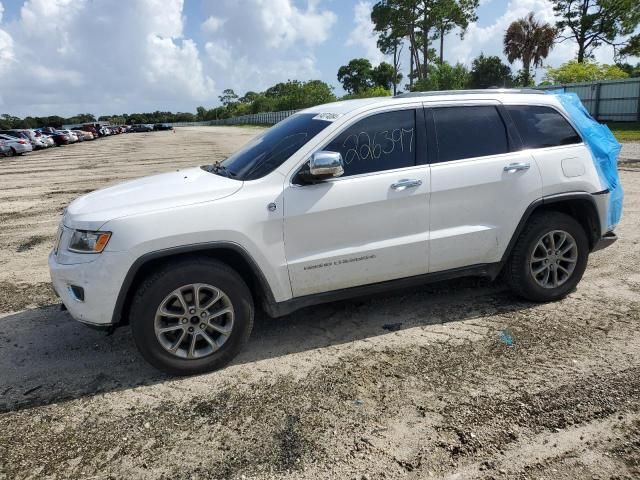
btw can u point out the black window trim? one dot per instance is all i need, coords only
(421, 144)
(552, 107)
(514, 141)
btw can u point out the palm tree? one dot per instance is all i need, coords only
(530, 41)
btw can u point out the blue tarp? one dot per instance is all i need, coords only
(604, 151)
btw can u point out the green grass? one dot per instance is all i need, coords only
(626, 131)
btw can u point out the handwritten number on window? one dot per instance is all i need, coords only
(362, 146)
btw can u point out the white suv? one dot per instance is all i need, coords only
(337, 201)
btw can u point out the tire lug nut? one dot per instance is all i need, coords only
(192, 310)
(203, 326)
(184, 320)
(203, 314)
(190, 329)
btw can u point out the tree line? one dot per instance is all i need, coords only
(420, 25)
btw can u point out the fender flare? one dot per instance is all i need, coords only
(140, 262)
(550, 200)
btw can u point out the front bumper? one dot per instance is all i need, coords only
(605, 241)
(89, 290)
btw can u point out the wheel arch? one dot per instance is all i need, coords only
(579, 205)
(229, 253)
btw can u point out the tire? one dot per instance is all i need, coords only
(159, 289)
(10, 153)
(522, 266)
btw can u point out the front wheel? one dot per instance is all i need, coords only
(191, 317)
(549, 257)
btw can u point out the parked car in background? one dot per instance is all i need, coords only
(14, 133)
(36, 138)
(59, 138)
(48, 139)
(39, 143)
(45, 140)
(142, 127)
(26, 134)
(91, 129)
(162, 126)
(81, 134)
(48, 130)
(73, 138)
(5, 150)
(19, 146)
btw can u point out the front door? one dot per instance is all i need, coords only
(371, 224)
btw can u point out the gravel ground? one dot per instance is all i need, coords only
(630, 152)
(458, 380)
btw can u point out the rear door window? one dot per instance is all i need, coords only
(469, 131)
(542, 127)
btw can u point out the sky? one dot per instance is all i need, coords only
(63, 57)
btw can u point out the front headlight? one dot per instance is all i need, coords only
(88, 242)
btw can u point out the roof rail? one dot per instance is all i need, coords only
(467, 92)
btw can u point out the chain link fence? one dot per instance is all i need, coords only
(265, 118)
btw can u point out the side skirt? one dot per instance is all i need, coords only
(487, 270)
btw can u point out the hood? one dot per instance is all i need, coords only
(144, 195)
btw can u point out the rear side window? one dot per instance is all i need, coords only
(542, 127)
(467, 132)
(384, 141)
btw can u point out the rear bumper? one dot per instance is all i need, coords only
(606, 240)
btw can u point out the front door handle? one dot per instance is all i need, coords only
(405, 183)
(516, 167)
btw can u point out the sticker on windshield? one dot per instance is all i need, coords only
(330, 117)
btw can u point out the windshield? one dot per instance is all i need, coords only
(268, 151)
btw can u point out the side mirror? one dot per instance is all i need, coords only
(325, 165)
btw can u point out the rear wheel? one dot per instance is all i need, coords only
(549, 258)
(192, 317)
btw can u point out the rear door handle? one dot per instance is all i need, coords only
(516, 167)
(405, 183)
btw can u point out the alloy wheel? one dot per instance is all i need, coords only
(194, 321)
(553, 259)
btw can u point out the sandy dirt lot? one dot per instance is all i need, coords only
(456, 381)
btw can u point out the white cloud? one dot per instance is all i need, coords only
(244, 73)
(363, 35)
(6, 46)
(212, 24)
(72, 56)
(263, 42)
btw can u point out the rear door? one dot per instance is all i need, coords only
(371, 224)
(481, 184)
(565, 162)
